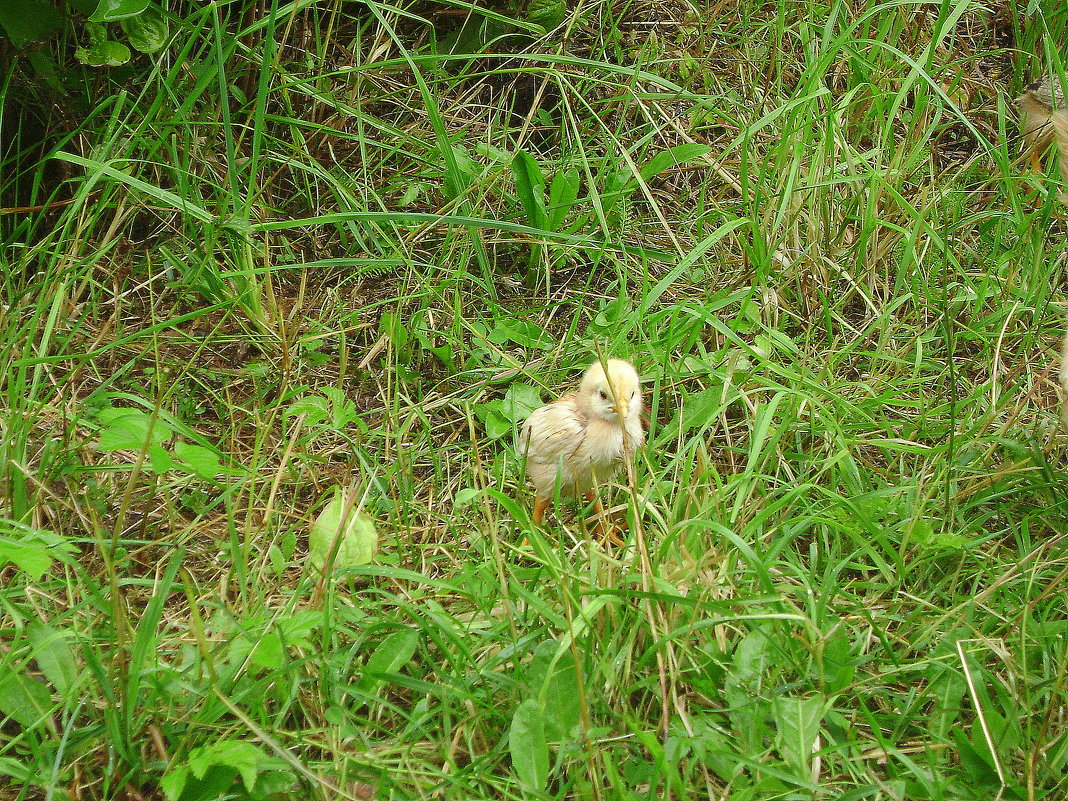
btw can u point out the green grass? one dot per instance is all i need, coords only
(301, 248)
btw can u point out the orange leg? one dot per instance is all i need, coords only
(540, 505)
(607, 529)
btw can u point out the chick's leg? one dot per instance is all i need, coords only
(540, 505)
(607, 530)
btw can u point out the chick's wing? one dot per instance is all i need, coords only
(553, 431)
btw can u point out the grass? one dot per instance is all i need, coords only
(312, 245)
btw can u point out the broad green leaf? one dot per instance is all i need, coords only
(530, 186)
(390, 656)
(975, 760)
(129, 429)
(343, 411)
(519, 401)
(557, 685)
(26, 21)
(23, 699)
(114, 10)
(797, 724)
(265, 650)
(173, 781)
(314, 407)
(32, 549)
(547, 13)
(246, 758)
(391, 325)
(31, 557)
(493, 418)
(107, 53)
(562, 195)
(159, 460)
(522, 332)
(201, 461)
(839, 667)
(744, 685)
(528, 748)
(354, 543)
(146, 32)
(673, 157)
(464, 497)
(948, 686)
(54, 656)
(699, 409)
(460, 171)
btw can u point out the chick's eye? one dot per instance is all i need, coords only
(603, 394)
(633, 394)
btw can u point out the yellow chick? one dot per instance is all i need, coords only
(580, 440)
(1043, 120)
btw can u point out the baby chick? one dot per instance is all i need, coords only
(1043, 120)
(580, 440)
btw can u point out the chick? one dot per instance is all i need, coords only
(1044, 120)
(580, 440)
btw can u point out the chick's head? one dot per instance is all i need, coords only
(613, 393)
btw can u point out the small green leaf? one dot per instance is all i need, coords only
(23, 699)
(524, 333)
(562, 195)
(200, 461)
(108, 53)
(519, 401)
(32, 550)
(173, 781)
(699, 409)
(493, 419)
(343, 411)
(976, 760)
(268, 652)
(673, 157)
(457, 181)
(246, 758)
(744, 685)
(32, 558)
(547, 13)
(390, 656)
(146, 32)
(528, 748)
(314, 407)
(159, 460)
(54, 656)
(114, 10)
(465, 496)
(530, 186)
(391, 326)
